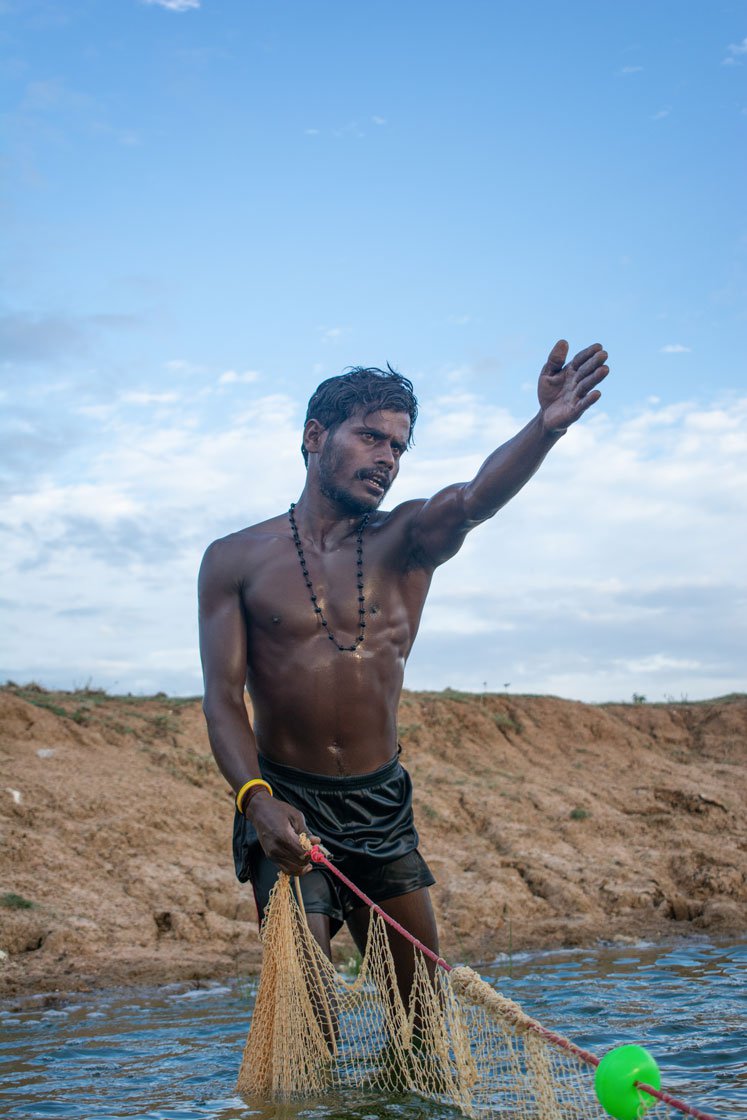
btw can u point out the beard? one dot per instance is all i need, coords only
(330, 465)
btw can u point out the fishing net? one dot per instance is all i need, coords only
(458, 1041)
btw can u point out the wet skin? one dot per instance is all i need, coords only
(317, 708)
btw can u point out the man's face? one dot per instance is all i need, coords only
(360, 459)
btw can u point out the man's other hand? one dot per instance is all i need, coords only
(565, 391)
(278, 826)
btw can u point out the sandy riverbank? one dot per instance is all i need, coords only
(547, 823)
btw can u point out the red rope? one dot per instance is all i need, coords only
(680, 1105)
(318, 856)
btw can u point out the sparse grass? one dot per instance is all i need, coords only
(504, 721)
(48, 705)
(164, 724)
(122, 728)
(148, 717)
(579, 814)
(683, 702)
(511, 777)
(507, 920)
(460, 697)
(352, 966)
(12, 901)
(409, 728)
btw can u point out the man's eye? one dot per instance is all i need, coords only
(368, 435)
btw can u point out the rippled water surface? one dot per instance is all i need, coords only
(172, 1053)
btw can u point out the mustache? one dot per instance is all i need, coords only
(381, 478)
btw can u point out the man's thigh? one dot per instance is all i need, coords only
(320, 931)
(414, 912)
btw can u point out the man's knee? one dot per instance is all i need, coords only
(414, 912)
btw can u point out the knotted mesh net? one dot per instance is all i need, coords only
(456, 1040)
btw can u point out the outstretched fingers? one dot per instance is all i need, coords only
(586, 381)
(592, 369)
(557, 356)
(588, 400)
(589, 354)
(567, 390)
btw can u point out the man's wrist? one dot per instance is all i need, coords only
(256, 795)
(249, 789)
(551, 433)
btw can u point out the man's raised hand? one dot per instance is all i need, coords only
(565, 391)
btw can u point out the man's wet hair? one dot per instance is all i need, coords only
(359, 391)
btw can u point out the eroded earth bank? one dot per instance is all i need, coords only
(547, 823)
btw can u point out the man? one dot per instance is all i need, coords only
(316, 611)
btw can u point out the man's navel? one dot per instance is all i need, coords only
(337, 755)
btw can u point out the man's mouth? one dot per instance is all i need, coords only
(377, 480)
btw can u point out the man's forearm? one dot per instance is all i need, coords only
(232, 740)
(508, 469)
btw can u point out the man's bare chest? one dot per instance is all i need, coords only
(340, 587)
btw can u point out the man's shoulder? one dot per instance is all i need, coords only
(273, 526)
(400, 515)
(236, 547)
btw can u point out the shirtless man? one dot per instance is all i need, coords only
(316, 611)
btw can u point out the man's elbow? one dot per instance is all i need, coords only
(218, 705)
(474, 506)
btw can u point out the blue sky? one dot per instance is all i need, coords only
(210, 206)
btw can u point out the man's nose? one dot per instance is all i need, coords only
(385, 457)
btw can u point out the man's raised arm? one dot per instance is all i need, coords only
(223, 649)
(565, 391)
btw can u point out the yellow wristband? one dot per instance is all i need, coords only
(245, 789)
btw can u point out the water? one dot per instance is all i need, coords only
(172, 1053)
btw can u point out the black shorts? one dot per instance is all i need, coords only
(365, 821)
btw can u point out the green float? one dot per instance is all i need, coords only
(614, 1082)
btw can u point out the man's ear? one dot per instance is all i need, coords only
(313, 436)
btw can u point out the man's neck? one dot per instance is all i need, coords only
(323, 521)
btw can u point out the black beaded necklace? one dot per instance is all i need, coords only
(358, 579)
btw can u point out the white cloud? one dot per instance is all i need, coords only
(630, 70)
(658, 663)
(175, 5)
(352, 128)
(618, 569)
(661, 114)
(734, 52)
(233, 377)
(181, 365)
(332, 334)
(675, 348)
(378, 120)
(460, 375)
(144, 397)
(96, 411)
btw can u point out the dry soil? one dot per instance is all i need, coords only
(547, 823)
